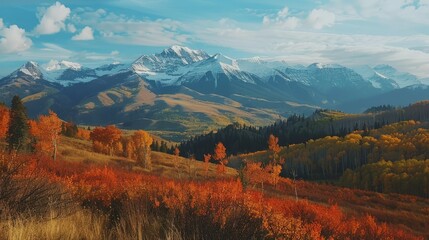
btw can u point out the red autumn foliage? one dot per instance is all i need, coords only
(224, 203)
(104, 139)
(4, 121)
(47, 132)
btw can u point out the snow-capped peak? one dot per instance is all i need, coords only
(254, 60)
(403, 79)
(170, 60)
(321, 66)
(29, 69)
(55, 65)
(226, 60)
(185, 54)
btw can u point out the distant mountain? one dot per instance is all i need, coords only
(403, 79)
(27, 82)
(335, 81)
(68, 73)
(186, 90)
(377, 79)
(397, 97)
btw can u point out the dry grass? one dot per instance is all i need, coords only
(81, 225)
(75, 150)
(84, 224)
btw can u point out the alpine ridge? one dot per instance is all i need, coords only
(181, 90)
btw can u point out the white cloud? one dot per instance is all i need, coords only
(50, 51)
(13, 39)
(316, 19)
(320, 18)
(266, 20)
(389, 11)
(282, 19)
(86, 34)
(283, 13)
(125, 30)
(71, 28)
(53, 19)
(290, 23)
(309, 47)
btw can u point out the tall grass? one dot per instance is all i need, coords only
(80, 225)
(85, 224)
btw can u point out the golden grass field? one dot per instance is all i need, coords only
(76, 150)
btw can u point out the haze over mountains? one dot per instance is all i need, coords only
(181, 89)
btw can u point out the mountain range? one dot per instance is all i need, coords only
(185, 90)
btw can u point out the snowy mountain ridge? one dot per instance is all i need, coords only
(177, 65)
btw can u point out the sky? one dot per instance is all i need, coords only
(96, 32)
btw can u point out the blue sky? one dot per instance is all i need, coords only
(364, 32)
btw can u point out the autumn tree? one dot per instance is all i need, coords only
(17, 133)
(220, 156)
(273, 146)
(191, 166)
(255, 173)
(207, 158)
(104, 139)
(69, 129)
(4, 120)
(176, 158)
(83, 134)
(274, 170)
(141, 142)
(47, 132)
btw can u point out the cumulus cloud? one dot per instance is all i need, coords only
(71, 28)
(283, 13)
(316, 19)
(53, 19)
(85, 35)
(13, 39)
(282, 19)
(320, 18)
(124, 30)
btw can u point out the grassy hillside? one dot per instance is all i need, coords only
(80, 151)
(114, 198)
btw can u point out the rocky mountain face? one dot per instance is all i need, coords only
(185, 90)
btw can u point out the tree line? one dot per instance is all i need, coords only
(239, 139)
(405, 176)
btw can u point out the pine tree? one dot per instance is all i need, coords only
(17, 134)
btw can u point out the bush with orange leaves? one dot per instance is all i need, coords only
(219, 209)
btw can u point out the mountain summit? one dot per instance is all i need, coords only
(28, 70)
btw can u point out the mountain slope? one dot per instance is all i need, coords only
(27, 82)
(403, 79)
(189, 91)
